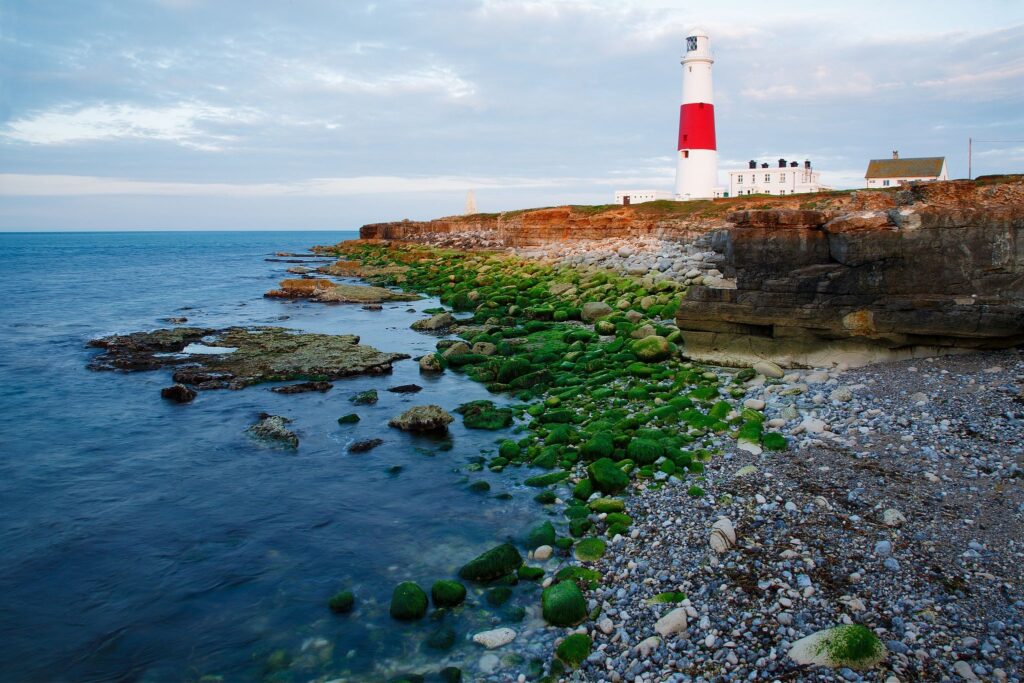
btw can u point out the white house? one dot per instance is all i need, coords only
(896, 171)
(786, 178)
(627, 197)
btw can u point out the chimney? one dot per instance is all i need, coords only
(764, 165)
(753, 164)
(793, 164)
(782, 163)
(807, 164)
(895, 154)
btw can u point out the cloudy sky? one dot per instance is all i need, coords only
(326, 114)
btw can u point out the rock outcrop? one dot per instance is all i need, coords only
(938, 270)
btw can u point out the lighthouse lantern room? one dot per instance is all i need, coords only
(697, 155)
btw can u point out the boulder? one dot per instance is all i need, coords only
(493, 564)
(495, 638)
(434, 323)
(429, 418)
(447, 593)
(850, 645)
(592, 310)
(563, 604)
(607, 476)
(408, 602)
(178, 393)
(274, 429)
(430, 364)
(652, 349)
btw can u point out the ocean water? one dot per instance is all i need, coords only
(142, 540)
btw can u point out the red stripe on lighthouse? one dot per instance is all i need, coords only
(697, 126)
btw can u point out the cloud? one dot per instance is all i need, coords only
(184, 124)
(436, 79)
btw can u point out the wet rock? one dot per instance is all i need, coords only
(406, 389)
(495, 638)
(328, 291)
(372, 307)
(364, 398)
(431, 364)
(178, 393)
(237, 357)
(430, 418)
(304, 387)
(592, 310)
(852, 646)
(274, 429)
(434, 323)
(364, 445)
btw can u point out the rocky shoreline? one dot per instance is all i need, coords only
(885, 497)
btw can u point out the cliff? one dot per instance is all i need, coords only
(532, 228)
(940, 270)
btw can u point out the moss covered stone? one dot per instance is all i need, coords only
(484, 415)
(351, 418)
(601, 445)
(530, 573)
(342, 602)
(563, 605)
(600, 505)
(408, 602)
(493, 564)
(574, 649)
(365, 398)
(547, 479)
(590, 550)
(496, 597)
(542, 534)
(607, 476)
(451, 674)
(652, 349)
(546, 497)
(773, 441)
(509, 449)
(583, 489)
(644, 451)
(447, 593)
(443, 638)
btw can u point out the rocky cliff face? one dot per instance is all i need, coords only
(541, 228)
(932, 269)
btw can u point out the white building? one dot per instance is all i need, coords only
(627, 197)
(896, 171)
(785, 178)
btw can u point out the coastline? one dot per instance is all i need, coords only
(829, 419)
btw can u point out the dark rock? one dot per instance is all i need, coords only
(364, 445)
(373, 307)
(303, 388)
(274, 429)
(364, 398)
(178, 393)
(406, 389)
(422, 419)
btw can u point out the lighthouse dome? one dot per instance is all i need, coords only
(698, 31)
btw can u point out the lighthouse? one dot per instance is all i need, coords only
(697, 153)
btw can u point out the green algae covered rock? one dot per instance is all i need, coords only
(850, 645)
(547, 479)
(509, 449)
(644, 451)
(530, 573)
(607, 505)
(601, 445)
(493, 564)
(652, 349)
(451, 674)
(607, 476)
(342, 602)
(431, 418)
(496, 597)
(773, 441)
(583, 489)
(542, 534)
(408, 602)
(574, 649)
(484, 415)
(447, 593)
(563, 604)
(590, 550)
(441, 639)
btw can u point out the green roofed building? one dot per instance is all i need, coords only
(894, 172)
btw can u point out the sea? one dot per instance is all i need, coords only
(143, 540)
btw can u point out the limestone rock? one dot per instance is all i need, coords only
(768, 369)
(851, 645)
(429, 418)
(672, 623)
(592, 310)
(495, 638)
(434, 323)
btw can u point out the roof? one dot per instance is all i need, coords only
(922, 167)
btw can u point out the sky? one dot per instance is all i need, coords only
(328, 114)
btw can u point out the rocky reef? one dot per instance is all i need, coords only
(940, 269)
(327, 291)
(237, 357)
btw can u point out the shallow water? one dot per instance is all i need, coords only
(145, 540)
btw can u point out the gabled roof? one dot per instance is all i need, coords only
(922, 167)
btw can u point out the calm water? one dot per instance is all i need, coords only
(142, 540)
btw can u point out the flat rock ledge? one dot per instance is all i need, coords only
(237, 357)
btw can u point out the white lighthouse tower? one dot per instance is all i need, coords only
(697, 155)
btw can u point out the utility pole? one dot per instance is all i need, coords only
(970, 142)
